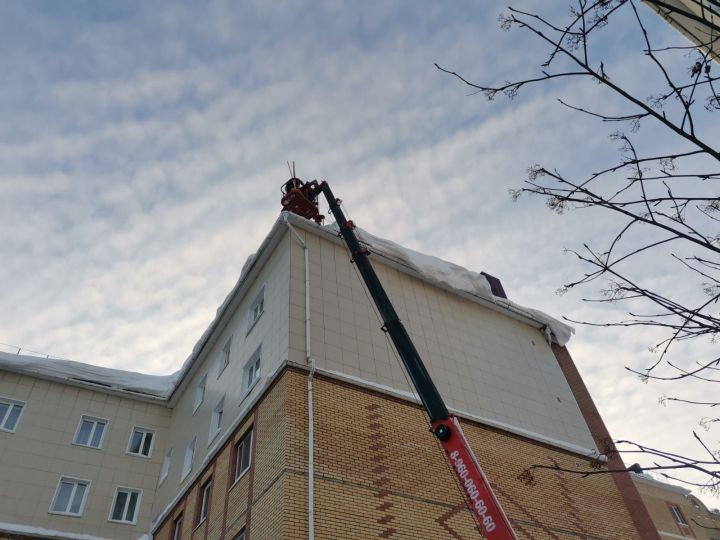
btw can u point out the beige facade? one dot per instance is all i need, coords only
(676, 512)
(484, 362)
(490, 360)
(42, 450)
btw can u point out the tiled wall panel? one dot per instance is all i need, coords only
(270, 331)
(41, 451)
(482, 362)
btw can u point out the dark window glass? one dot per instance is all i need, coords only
(242, 454)
(120, 501)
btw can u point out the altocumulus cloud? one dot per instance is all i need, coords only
(144, 145)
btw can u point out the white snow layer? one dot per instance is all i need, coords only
(447, 274)
(44, 533)
(156, 386)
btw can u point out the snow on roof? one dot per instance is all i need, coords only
(40, 532)
(658, 482)
(449, 275)
(161, 387)
(431, 268)
(128, 382)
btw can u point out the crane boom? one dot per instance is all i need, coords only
(488, 513)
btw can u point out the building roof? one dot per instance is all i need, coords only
(151, 387)
(652, 481)
(697, 20)
(164, 388)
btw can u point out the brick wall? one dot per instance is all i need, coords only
(381, 474)
(255, 500)
(658, 498)
(592, 417)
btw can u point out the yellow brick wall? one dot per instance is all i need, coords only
(701, 524)
(384, 473)
(380, 474)
(263, 482)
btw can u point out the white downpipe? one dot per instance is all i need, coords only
(311, 417)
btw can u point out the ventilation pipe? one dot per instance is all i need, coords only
(311, 363)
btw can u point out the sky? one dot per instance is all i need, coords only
(143, 146)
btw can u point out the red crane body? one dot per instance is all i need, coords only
(301, 198)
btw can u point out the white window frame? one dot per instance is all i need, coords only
(252, 368)
(188, 464)
(200, 392)
(177, 526)
(12, 403)
(248, 437)
(678, 515)
(224, 360)
(142, 442)
(205, 500)
(96, 420)
(165, 469)
(254, 313)
(216, 420)
(129, 491)
(240, 535)
(75, 481)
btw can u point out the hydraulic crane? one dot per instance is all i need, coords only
(301, 198)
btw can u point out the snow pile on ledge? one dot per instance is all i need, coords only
(39, 532)
(154, 386)
(432, 268)
(453, 276)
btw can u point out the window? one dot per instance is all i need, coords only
(177, 527)
(189, 455)
(90, 432)
(678, 515)
(216, 420)
(125, 506)
(204, 507)
(200, 393)
(224, 356)
(240, 535)
(252, 370)
(70, 496)
(10, 411)
(242, 454)
(141, 442)
(256, 309)
(165, 466)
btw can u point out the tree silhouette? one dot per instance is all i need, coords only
(662, 203)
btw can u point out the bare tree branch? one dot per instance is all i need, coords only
(650, 195)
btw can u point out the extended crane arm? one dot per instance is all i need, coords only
(483, 503)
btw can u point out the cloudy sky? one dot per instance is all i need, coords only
(143, 146)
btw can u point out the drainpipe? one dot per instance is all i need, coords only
(311, 362)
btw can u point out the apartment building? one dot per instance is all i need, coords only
(292, 417)
(81, 448)
(675, 511)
